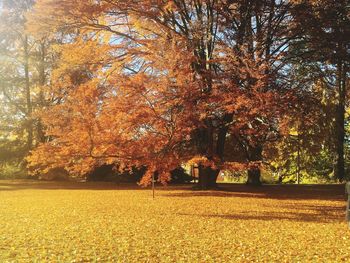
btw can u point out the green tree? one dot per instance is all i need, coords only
(325, 26)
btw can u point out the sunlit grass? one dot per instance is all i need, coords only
(70, 222)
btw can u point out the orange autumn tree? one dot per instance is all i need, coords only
(119, 118)
(157, 84)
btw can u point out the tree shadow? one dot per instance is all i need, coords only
(280, 192)
(15, 185)
(291, 211)
(315, 214)
(63, 185)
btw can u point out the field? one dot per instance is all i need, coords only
(100, 222)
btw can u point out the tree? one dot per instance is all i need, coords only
(261, 33)
(326, 41)
(21, 79)
(159, 83)
(304, 150)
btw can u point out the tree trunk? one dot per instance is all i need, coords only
(340, 123)
(42, 81)
(207, 178)
(254, 174)
(222, 134)
(28, 95)
(206, 147)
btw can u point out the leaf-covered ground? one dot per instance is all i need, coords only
(72, 222)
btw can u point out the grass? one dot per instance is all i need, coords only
(100, 222)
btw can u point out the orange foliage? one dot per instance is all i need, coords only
(146, 84)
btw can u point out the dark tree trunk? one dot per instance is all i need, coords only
(222, 134)
(207, 178)
(206, 147)
(254, 174)
(339, 167)
(340, 123)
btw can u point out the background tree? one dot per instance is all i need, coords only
(23, 70)
(326, 45)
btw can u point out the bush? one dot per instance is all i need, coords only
(179, 176)
(12, 171)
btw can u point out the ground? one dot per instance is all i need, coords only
(100, 222)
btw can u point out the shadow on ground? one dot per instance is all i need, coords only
(287, 209)
(281, 192)
(15, 185)
(334, 192)
(316, 214)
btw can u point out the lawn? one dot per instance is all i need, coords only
(101, 222)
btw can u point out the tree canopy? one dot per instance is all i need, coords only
(226, 85)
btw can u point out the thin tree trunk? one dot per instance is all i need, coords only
(298, 157)
(340, 123)
(28, 95)
(42, 81)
